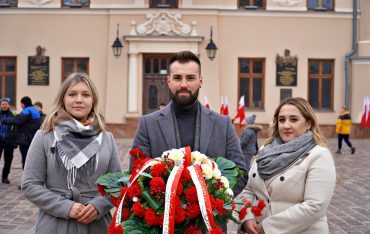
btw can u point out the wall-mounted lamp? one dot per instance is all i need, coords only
(117, 45)
(211, 48)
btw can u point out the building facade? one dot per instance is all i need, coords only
(267, 50)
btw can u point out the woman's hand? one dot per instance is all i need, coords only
(88, 214)
(75, 210)
(250, 226)
(260, 229)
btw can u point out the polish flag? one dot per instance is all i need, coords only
(368, 112)
(226, 106)
(240, 112)
(222, 106)
(364, 113)
(207, 102)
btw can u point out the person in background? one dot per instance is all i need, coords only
(248, 139)
(294, 174)
(343, 129)
(38, 106)
(6, 139)
(70, 152)
(26, 123)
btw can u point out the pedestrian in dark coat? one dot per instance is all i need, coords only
(248, 139)
(6, 139)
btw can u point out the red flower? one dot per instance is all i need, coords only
(134, 191)
(233, 206)
(185, 176)
(125, 214)
(101, 190)
(217, 230)
(112, 229)
(243, 213)
(179, 189)
(191, 195)
(219, 206)
(261, 204)
(192, 230)
(157, 185)
(193, 210)
(123, 191)
(180, 215)
(160, 220)
(158, 170)
(150, 217)
(247, 202)
(138, 209)
(257, 211)
(115, 201)
(135, 151)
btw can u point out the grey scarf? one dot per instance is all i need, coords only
(76, 145)
(277, 156)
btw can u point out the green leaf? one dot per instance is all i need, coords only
(224, 163)
(228, 169)
(153, 203)
(146, 175)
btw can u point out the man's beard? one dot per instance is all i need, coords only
(184, 101)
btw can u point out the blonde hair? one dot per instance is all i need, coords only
(58, 103)
(307, 112)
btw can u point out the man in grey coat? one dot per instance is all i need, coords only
(186, 122)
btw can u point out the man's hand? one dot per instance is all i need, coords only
(88, 214)
(75, 210)
(250, 226)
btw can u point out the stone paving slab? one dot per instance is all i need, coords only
(349, 211)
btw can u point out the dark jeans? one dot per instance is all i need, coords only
(346, 139)
(8, 158)
(24, 150)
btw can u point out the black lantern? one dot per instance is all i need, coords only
(117, 45)
(211, 48)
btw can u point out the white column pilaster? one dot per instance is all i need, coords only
(132, 83)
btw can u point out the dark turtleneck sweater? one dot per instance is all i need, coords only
(186, 118)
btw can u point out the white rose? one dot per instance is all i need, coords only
(197, 156)
(176, 155)
(207, 171)
(165, 153)
(210, 163)
(229, 192)
(216, 173)
(225, 181)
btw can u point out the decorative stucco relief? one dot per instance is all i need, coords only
(287, 3)
(164, 23)
(39, 2)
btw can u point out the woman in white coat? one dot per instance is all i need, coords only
(294, 173)
(65, 159)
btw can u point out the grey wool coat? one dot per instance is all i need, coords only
(156, 134)
(45, 184)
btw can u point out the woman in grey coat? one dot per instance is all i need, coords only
(65, 158)
(248, 139)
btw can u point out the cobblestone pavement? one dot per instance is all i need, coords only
(349, 211)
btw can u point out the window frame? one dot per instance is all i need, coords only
(76, 4)
(320, 78)
(253, 76)
(6, 3)
(252, 7)
(75, 60)
(4, 73)
(162, 5)
(320, 8)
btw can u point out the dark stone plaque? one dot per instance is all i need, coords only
(286, 69)
(38, 68)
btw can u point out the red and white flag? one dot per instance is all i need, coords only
(240, 112)
(368, 113)
(206, 102)
(226, 106)
(222, 106)
(365, 120)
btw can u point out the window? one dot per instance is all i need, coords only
(8, 3)
(251, 4)
(8, 68)
(320, 5)
(76, 3)
(320, 83)
(163, 3)
(70, 65)
(251, 81)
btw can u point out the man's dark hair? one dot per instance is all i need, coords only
(26, 101)
(185, 57)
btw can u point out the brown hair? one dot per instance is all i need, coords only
(307, 112)
(185, 57)
(72, 80)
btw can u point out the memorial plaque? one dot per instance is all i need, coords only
(286, 69)
(38, 68)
